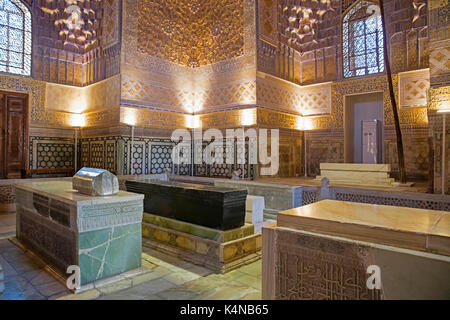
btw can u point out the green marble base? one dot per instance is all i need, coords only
(200, 231)
(109, 252)
(219, 251)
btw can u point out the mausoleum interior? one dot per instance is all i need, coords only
(224, 149)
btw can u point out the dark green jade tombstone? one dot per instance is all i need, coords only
(214, 207)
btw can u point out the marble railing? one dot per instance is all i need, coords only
(416, 200)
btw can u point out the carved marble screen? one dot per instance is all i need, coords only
(15, 37)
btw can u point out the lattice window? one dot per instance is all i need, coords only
(15, 37)
(362, 33)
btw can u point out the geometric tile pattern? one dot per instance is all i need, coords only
(51, 153)
(161, 157)
(440, 66)
(310, 100)
(413, 88)
(158, 96)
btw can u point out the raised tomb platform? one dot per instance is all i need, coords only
(100, 234)
(277, 197)
(357, 174)
(324, 251)
(202, 224)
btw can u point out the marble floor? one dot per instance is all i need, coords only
(7, 224)
(161, 277)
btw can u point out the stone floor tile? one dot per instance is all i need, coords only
(150, 287)
(232, 291)
(51, 289)
(181, 277)
(250, 281)
(252, 269)
(115, 287)
(86, 295)
(177, 294)
(39, 277)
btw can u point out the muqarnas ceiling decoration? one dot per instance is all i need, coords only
(192, 33)
(77, 23)
(301, 22)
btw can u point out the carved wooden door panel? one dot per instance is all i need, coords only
(2, 136)
(15, 136)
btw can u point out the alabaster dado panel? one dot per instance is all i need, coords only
(285, 96)
(413, 88)
(192, 33)
(76, 100)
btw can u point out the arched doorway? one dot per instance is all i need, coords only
(13, 134)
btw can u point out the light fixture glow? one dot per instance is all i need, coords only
(77, 120)
(129, 116)
(248, 117)
(192, 121)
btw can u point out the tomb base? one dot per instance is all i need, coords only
(217, 250)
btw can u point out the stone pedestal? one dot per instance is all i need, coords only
(220, 251)
(101, 235)
(324, 250)
(254, 209)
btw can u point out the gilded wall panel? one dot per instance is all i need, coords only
(151, 118)
(110, 23)
(439, 98)
(268, 21)
(192, 33)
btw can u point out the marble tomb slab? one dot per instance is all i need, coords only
(210, 206)
(417, 229)
(102, 235)
(277, 197)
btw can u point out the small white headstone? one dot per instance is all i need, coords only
(95, 182)
(254, 209)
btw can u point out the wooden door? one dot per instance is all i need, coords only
(15, 137)
(2, 136)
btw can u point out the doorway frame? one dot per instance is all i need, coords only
(26, 129)
(350, 158)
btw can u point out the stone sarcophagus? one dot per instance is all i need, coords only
(99, 234)
(95, 182)
(214, 207)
